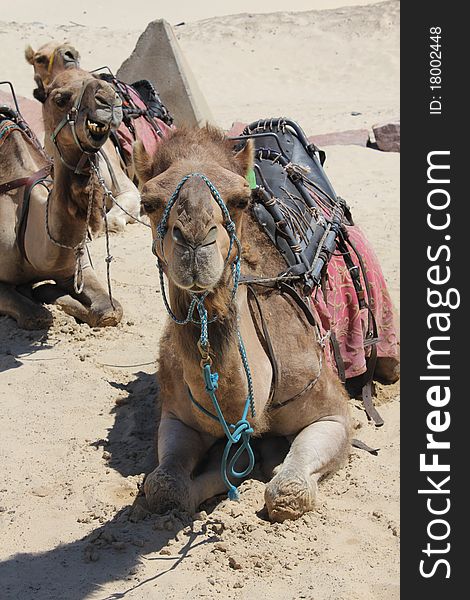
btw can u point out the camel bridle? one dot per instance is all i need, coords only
(71, 119)
(90, 156)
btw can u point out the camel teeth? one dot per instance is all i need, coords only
(97, 127)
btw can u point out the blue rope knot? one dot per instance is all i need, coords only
(230, 226)
(241, 435)
(212, 383)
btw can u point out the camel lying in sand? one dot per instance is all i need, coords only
(50, 243)
(310, 406)
(50, 60)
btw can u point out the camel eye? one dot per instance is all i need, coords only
(240, 202)
(41, 60)
(149, 207)
(62, 98)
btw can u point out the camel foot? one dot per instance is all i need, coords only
(37, 318)
(289, 495)
(165, 492)
(387, 370)
(102, 314)
(116, 223)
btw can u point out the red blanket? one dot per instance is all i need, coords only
(341, 313)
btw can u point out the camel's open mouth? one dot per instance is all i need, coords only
(96, 130)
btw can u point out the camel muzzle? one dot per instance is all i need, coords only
(90, 127)
(69, 60)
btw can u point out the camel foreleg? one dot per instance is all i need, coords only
(170, 485)
(26, 313)
(318, 449)
(100, 312)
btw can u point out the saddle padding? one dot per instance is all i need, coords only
(275, 179)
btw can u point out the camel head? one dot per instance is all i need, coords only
(80, 112)
(196, 244)
(50, 60)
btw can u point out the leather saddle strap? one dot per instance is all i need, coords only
(26, 181)
(270, 350)
(311, 319)
(371, 340)
(371, 411)
(355, 443)
(112, 174)
(337, 356)
(290, 291)
(31, 181)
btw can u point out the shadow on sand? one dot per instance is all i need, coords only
(114, 550)
(79, 570)
(18, 345)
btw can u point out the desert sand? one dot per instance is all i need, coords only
(77, 405)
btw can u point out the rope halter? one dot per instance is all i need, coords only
(240, 432)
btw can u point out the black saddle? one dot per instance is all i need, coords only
(294, 201)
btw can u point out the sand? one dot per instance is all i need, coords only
(77, 405)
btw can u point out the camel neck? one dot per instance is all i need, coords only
(68, 205)
(222, 332)
(223, 338)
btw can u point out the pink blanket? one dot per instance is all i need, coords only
(341, 313)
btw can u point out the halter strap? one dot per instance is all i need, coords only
(49, 67)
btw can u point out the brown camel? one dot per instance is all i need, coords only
(193, 253)
(50, 60)
(52, 247)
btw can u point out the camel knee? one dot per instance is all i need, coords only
(116, 221)
(320, 448)
(103, 313)
(118, 217)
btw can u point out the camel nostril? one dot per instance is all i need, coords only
(100, 99)
(211, 237)
(178, 236)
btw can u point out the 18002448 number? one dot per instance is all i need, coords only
(435, 57)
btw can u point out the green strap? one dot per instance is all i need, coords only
(251, 178)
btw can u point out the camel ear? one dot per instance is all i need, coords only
(245, 157)
(142, 162)
(29, 54)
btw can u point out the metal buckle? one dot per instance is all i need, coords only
(204, 352)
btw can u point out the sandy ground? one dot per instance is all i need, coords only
(318, 67)
(77, 405)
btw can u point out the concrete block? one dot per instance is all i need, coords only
(159, 58)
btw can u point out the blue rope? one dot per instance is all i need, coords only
(240, 432)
